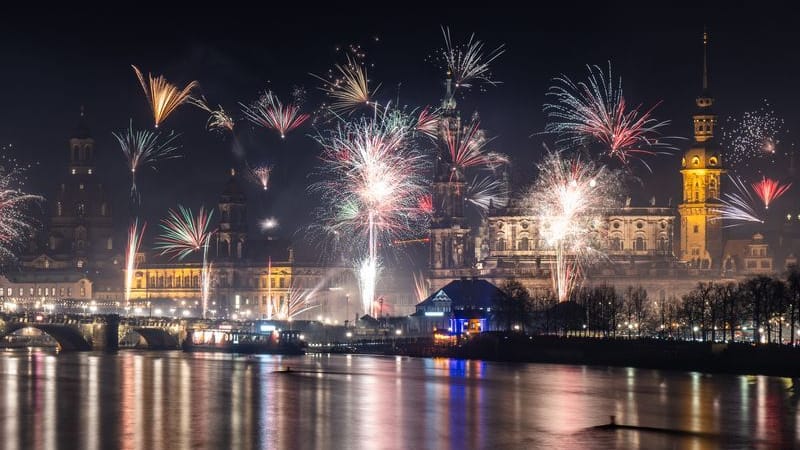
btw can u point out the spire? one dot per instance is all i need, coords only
(81, 130)
(705, 100)
(705, 59)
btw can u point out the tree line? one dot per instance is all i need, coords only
(762, 309)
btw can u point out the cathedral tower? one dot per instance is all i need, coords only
(449, 231)
(81, 226)
(702, 169)
(232, 233)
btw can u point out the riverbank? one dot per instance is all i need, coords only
(735, 358)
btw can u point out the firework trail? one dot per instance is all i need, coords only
(768, 190)
(269, 112)
(420, 286)
(595, 112)
(428, 123)
(349, 90)
(135, 236)
(569, 199)
(219, 120)
(260, 175)
(467, 64)
(487, 192)
(183, 234)
(753, 136)
(145, 148)
(163, 97)
(373, 180)
(16, 224)
(737, 207)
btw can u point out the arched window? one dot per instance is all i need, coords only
(501, 244)
(103, 209)
(152, 281)
(138, 283)
(195, 281)
(52, 243)
(523, 244)
(186, 281)
(169, 281)
(109, 244)
(161, 281)
(663, 245)
(616, 244)
(639, 244)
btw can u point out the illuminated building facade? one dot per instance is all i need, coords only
(664, 249)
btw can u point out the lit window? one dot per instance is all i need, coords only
(73, 171)
(697, 228)
(90, 171)
(80, 186)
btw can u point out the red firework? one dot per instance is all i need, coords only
(768, 190)
(270, 112)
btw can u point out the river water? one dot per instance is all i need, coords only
(173, 400)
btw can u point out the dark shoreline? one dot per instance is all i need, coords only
(728, 358)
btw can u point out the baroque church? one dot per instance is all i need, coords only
(664, 249)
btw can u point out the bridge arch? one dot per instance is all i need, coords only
(156, 338)
(68, 338)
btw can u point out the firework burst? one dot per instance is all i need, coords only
(753, 137)
(135, 236)
(269, 112)
(466, 146)
(219, 120)
(487, 192)
(737, 207)
(569, 198)
(163, 97)
(260, 175)
(297, 302)
(16, 223)
(467, 63)
(145, 148)
(595, 112)
(349, 90)
(373, 180)
(768, 190)
(183, 234)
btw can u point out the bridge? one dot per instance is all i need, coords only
(75, 332)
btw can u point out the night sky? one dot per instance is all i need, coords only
(55, 61)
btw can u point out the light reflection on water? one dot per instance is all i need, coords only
(141, 400)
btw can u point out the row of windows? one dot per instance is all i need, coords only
(44, 292)
(80, 208)
(170, 282)
(194, 282)
(754, 264)
(615, 244)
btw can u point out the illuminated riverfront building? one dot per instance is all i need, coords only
(664, 249)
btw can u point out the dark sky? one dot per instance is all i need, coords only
(54, 61)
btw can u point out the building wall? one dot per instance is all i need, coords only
(30, 293)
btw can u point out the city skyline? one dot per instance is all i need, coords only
(512, 120)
